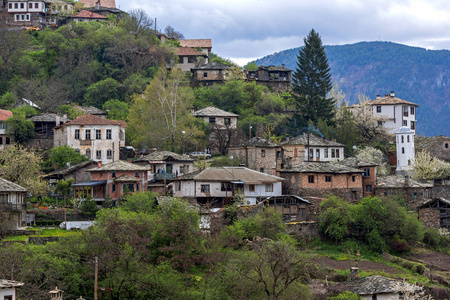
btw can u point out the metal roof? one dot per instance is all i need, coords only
(90, 183)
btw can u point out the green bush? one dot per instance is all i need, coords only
(347, 295)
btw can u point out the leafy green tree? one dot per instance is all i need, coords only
(63, 188)
(312, 80)
(71, 111)
(19, 126)
(251, 66)
(60, 156)
(117, 110)
(7, 100)
(140, 202)
(100, 92)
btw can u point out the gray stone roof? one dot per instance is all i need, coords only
(212, 66)
(376, 284)
(431, 201)
(255, 142)
(356, 163)
(67, 170)
(225, 174)
(313, 141)
(398, 181)
(119, 165)
(321, 167)
(8, 186)
(275, 68)
(5, 284)
(163, 155)
(91, 110)
(46, 117)
(211, 111)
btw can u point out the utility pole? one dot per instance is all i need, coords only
(96, 278)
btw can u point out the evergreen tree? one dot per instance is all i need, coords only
(312, 81)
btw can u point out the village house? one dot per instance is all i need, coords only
(218, 186)
(313, 180)
(8, 289)
(209, 74)
(276, 78)
(393, 112)
(369, 177)
(435, 213)
(12, 204)
(43, 130)
(204, 45)
(112, 181)
(98, 138)
(189, 58)
(85, 16)
(5, 139)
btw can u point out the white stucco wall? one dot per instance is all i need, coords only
(405, 150)
(394, 116)
(7, 292)
(322, 154)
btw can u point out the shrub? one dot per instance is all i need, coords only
(400, 246)
(347, 295)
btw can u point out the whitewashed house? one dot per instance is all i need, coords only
(98, 138)
(8, 289)
(221, 185)
(393, 112)
(405, 148)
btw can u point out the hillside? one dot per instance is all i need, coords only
(415, 74)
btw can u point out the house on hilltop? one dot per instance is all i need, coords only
(189, 58)
(209, 74)
(274, 77)
(369, 177)
(204, 45)
(8, 289)
(98, 138)
(86, 16)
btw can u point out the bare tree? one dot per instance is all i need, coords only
(172, 33)
(138, 22)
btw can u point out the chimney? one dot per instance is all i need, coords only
(99, 164)
(392, 94)
(192, 110)
(57, 120)
(334, 140)
(287, 137)
(97, 5)
(56, 294)
(354, 273)
(283, 66)
(378, 96)
(64, 118)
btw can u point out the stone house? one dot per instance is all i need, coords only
(319, 179)
(8, 289)
(393, 112)
(204, 45)
(92, 110)
(414, 192)
(209, 74)
(218, 186)
(112, 181)
(435, 213)
(274, 77)
(97, 138)
(437, 146)
(43, 130)
(5, 139)
(369, 176)
(13, 201)
(189, 58)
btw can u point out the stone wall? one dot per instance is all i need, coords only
(414, 197)
(441, 191)
(429, 217)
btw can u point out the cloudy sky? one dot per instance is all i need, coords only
(243, 30)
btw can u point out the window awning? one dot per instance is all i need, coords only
(90, 183)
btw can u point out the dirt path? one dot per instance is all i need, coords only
(362, 265)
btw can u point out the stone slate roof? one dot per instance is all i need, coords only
(313, 141)
(356, 163)
(45, 117)
(375, 284)
(432, 201)
(226, 174)
(163, 155)
(387, 100)
(91, 110)
(6, 284)
(321, 167)
(194, 43)
(5, 114)
(211, 111)
(127, 178)
(67, 170)
(8, 186)
(256, 142)
(275, 68)
(94, 120)
(212, 66)
(397, 181)
(119, 165)
(108, 9)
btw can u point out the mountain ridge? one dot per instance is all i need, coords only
(375, 68)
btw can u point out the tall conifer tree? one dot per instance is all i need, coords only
(312, 81)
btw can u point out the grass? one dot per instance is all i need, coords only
(39, 232)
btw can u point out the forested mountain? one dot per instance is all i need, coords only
(415, 74)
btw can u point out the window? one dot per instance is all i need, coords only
(88, 153)
(3, 198)
(98, 154)
(310, 178)
(278, 154)
(353, 178)
(8, 297)
(403, 139)
(354, 195)
(108, 134)
(137, 187)
(415, 195)
(325, 153)
(177, 186)
(405, 122)
(109, 154)
(311, 153)
(113, 174)
(327, 178)
(263, 153)
(337, 153)
(30, 5)
(366, 172)
(403, 150)
(225, 186)
(261, 170)
(407, 138)
(212, 120)
(98, 134)
(204, 188)
(128, 187)
(1, 140)
(378, 109)
(251, 188)
(380, 123)
(10, 5)
(446, 145)
(87, 134)
(16, 5)
(333, 153)
(36, 5)
(22, 5)
(269, 188)
(113, 188)
(77, 134)
(317, 153)
(412, 110)
(227, 121)
(205, 74)
(369, 188)
(28, 17)
(413, 125)
(8, 140)
(136, 174)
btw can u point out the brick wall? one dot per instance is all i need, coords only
(429, 217)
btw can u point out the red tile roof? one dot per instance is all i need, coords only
(88, 15)
(94, 120)
(104, 3)
(5, 114)
(184, 51)
(203, 43)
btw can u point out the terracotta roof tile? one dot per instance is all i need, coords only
(189, 51)
(94, 120)
(105, 3)
(88, 15)
(119, 165)
(203, 43)
(5, 114)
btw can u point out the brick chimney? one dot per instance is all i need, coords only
(354, 273)
(99, 164)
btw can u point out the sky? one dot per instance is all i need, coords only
(244, 30)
